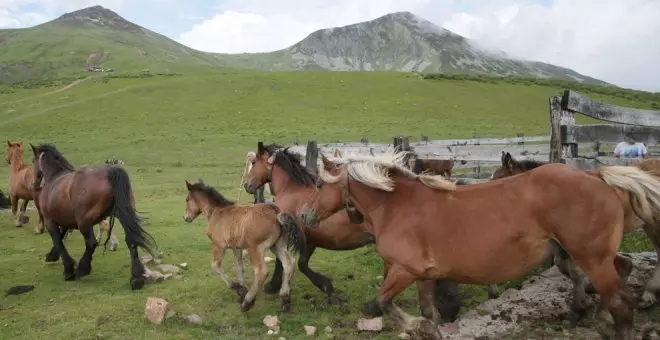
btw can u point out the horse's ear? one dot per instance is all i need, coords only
(271, 159)
(34, 150)
(260, 148)
(503, 156)
(508, 161)
(326, 162)
(8, 142)
(188, 185)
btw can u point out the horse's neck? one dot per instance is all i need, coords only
(17, 164)
(284, 186)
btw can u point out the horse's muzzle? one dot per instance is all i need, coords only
(249, 188)
(188, 218)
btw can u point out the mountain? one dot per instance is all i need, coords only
(95, 38)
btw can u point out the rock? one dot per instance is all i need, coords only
(183, 265)
(268, 259)
(169, 268)
(156, 310)
(153, 276)
(373, 325)
(404, 336)
(271, 321)
(270, 332)
(310, 330)
(146, 259)
(194, 318)
(328, 329)
(281, 338)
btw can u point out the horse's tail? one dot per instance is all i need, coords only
(643, 189)
(124, 209)
(295, 237)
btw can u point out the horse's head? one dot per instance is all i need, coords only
(48, 162)
(512, 167)
(332, 196)
(13, 151)
(193, 206)
(261, 165)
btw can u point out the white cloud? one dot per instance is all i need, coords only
(617, 41)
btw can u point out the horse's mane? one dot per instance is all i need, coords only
(55, 156)
(290, 163)
(529, 164)
(213, 195)
(375, 172)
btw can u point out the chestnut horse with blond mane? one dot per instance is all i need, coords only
(293, 184)
(79, 199)
(427, 228)
(21, 177)
(512, 167)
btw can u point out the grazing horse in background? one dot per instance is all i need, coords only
(256, 228)
(430, 166)
(78, 199)
(427, 228)
(293, 184)
(511, 167)
(20, 185)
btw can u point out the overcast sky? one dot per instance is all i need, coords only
(614, 40)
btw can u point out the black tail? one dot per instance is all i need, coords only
(125, 212)
(295, 237)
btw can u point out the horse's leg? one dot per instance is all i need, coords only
(372, 308)
(21, 213)
(13, 201)
(275, 283)
(54, 254)
(426, 296)
(288, 263)
(216, 264)
(85, 263)
(493, 291)
(40, 227)
(320, 281)
(448, 299)
(239, 286)
(397, 280)
(652, 287)
(260, 273)
(137, 268)
(67, 261)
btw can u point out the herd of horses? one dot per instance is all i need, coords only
(427, 229)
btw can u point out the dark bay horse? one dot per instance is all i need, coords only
(79, 199)
(511, 167)
(293, 183)
(21, 177)
(426, 228)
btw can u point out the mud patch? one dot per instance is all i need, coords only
(539, 308)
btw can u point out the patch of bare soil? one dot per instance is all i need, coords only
(540, 308)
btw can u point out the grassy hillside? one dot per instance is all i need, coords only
(200, 125)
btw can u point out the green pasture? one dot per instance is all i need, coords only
(200, 125)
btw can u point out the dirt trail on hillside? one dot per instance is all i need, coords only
(538, 310)
(64, 88)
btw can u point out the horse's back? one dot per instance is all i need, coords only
(242, 226)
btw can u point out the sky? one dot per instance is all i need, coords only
(617, 41)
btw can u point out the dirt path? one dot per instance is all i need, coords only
(64, 88)
(538, 310)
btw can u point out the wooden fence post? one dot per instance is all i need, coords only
(396, 143)
(559, 117)
(312, 156)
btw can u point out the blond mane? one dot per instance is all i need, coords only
(373, 171)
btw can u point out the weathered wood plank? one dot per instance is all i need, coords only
(608, 133)
(576, 102)
(483, 150)
(595, 163)
(445, 142)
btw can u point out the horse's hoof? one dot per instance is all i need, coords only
(247, 305)
(272, 288)
(70, 276)
(285, 305)
(372, 309)
(83, 271)
(240, 290)
(426, 329)
(137, 283)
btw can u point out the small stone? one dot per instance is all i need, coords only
(167, 276)
(194, 318)
(328, 329)
(183, 265)
(281, 338)
(271, 321)
(404, 336)
(169, 268)
(156, 310)
(270, 332)
(379, 277)
(374, 325)
(268, 259)
(146, 259)
(310, 330)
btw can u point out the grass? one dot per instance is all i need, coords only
(200, 125)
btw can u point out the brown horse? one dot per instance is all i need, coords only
(293, 184)
(426, 228)
(21, 177)
(78, 199)
(511, 167)
(256, 228)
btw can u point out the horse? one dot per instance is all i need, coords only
(20, 185)
(511, 167)
(426, 228)
(430, 166)
(79, 199)
(256, 228)
(292, 184)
